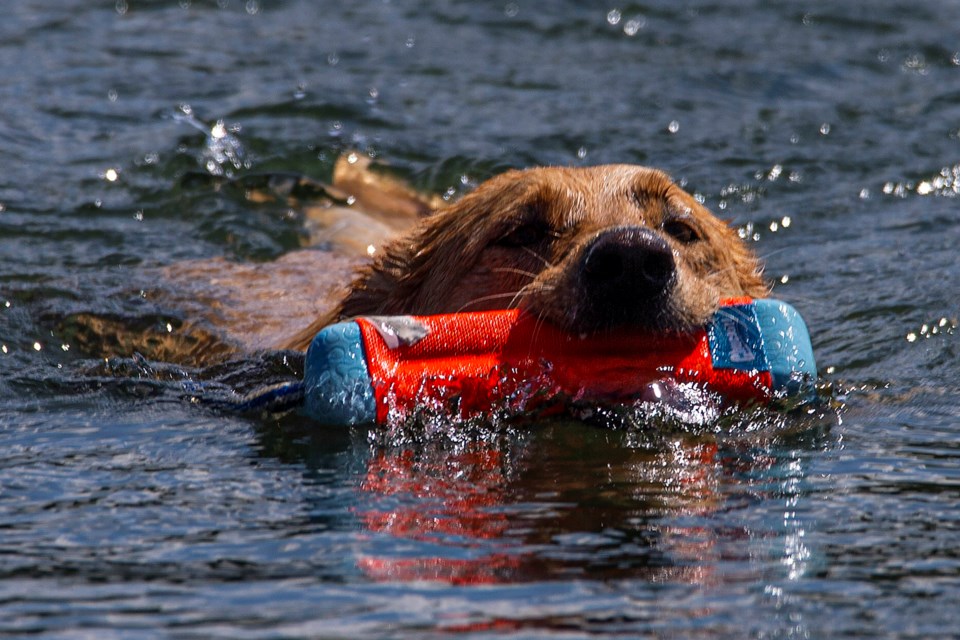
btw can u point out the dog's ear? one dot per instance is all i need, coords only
(414, 272)
(431, 255)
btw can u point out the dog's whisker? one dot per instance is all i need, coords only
(539, 257)
(492, 296)
(528, 274)
(538, 325)
(529, 289)
(774, 252)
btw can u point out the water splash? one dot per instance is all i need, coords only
(663, 410)
(223, 153)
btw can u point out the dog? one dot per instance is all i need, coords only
(587, 249)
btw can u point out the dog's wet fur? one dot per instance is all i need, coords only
(588, 249)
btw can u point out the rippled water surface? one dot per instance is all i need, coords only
(828, 133)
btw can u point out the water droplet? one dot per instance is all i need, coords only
(169, 328)
(121, 6)
(613, 17)
(511, 10)
(333, 59)
(253, 7)
(65, 347)
(784, 279)
(911, 337)
(635, 25)
(37, 346)
(916, 63)
(674, 126)
(110, 175)
(582, 153)
(825, 129)
(218, 131)
(864, 193)
(138, 216)
(112, 95)
(786, 221)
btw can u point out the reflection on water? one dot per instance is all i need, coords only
(562, 500)
(566, 504)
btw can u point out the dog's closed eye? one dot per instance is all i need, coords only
(681, 229)
(527, 234)
(528, 229)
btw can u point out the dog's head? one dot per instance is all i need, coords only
(586, 249)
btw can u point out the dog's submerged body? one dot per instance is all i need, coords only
(587, 249)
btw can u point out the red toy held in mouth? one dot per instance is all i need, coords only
(357, 371)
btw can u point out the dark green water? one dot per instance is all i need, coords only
(830, 134)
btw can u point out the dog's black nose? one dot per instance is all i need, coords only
(626, 273)
(630, 261)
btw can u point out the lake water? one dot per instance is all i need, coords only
(829, 133)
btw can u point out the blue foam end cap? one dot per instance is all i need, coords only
(786, 342)
(337, 385)
(764, 335)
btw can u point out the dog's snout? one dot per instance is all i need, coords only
(629, 261)
(626, 276)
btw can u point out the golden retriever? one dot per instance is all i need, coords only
(584, 248)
